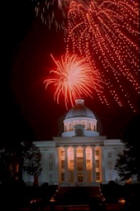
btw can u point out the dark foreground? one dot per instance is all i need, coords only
(111, 197)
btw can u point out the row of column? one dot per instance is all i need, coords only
(84, 171)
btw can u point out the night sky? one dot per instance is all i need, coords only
(28, 111)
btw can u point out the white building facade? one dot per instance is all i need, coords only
(80, 156)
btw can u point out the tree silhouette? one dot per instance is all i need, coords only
(128, 162)
(32, 162)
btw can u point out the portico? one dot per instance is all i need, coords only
(79, 165)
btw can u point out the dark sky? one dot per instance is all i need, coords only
(28, 111)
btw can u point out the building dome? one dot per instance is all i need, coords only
(80, 121)
(80, 110)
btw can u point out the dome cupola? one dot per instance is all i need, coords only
(80, 121)
(79, 110)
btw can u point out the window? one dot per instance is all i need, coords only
(62, 164)
(71, 176)
(62, 153)
(88, 126)
(71, 164)
(97, 163)
(97, 152)
(78, 131)
(79, 160)
(89, 176)
(80, 177)
(88, 164)
(97, 176)
(70, 157)
(79, 164)
(88, 158)
(62, 176)
(88, 153)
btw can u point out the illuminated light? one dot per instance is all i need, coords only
(88, 153)
(70, 156)
(79, 152)
(79, 158)
(129, 181)
(52, 199)
(72, 79)
(106, 33)
(88, 158)
(122, 201)
(70, 153)
(98, 168)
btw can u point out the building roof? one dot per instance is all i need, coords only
(80, 110)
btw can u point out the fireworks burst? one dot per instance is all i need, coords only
(72, 78)
(52, 12)
(105, 32)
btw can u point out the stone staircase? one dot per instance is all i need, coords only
(76, 195)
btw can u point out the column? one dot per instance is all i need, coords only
(66, 166)
(84, 167)
(102, 165)
(75, 166)
(93, 165)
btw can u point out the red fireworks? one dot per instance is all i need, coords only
(105, 33)
(52, 12)
(72, 78)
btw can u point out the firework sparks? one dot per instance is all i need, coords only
(52, 12)
(72, 78)
(105, 32)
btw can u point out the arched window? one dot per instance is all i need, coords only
(70, 126)
(70, 157)
(91, 126)
(61, 157)
(89, 163)
(88, 126)
(61, 153)
(89, 153)
(98, 176)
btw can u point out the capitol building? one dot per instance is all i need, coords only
(80, 156)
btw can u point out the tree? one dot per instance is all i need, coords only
(15, 158)
(128, 162)
(11, 159)
(32, 162)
